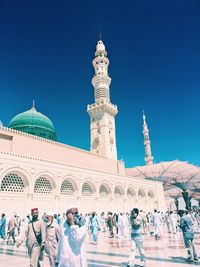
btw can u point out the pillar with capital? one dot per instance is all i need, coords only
(57, 203)
(28, 205)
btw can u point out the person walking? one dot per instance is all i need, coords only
(103, 222)
(51, 243)
(110, 224)
(3, 226)
(35, 238)
(11, 229)
(186, 224)
(173, 222)
(136, 239)
(157, 221)
(121, 226)
(94, 227)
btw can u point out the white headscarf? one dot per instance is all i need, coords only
(71, 207)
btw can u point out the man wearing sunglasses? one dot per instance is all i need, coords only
(71, 246)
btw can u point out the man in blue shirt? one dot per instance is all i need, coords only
(3, 226)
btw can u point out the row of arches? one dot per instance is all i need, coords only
(14, 182)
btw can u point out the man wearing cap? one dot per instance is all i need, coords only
(71, 246)
(51, 244)
(35, 238)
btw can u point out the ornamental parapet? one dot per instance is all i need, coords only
(103, 106)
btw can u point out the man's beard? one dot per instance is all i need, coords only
(35, 217)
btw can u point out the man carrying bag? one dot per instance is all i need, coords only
(35, 238)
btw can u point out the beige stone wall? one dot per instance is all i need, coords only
(35, 172)
(118, 188)
(29, 145)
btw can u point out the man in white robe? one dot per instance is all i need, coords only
(51, 244)
(121, 226)
(173, 221)
(71, 246)
(157, 221)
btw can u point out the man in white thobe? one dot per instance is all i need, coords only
(121, 226)
(71, 246)
(51, 243)
(157, 221)
(173, 221)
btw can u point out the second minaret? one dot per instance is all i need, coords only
(147, 144)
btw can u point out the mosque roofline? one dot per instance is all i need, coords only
(15, 155)
(10, 130)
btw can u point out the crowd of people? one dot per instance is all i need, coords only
(54, 241)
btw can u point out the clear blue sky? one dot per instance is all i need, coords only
(46, 52)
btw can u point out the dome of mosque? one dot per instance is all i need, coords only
(34, 122)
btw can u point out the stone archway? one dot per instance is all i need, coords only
(13, 190)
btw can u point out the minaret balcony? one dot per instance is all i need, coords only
(103, 106)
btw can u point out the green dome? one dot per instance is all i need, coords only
(35, 123)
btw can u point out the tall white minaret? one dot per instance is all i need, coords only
(147, 144)
(102, 113)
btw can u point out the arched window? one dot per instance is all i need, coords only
(43, 186)
(118, 191)
(104, 191)
(131, 193)
(151, 194)
(67, 188)
(141, 193)
(12, 183)
(87, 189)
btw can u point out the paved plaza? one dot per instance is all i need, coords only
(169, 251)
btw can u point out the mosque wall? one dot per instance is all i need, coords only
(25, 144)
(27, 182)
(5, 142)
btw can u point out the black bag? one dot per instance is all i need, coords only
(37, 236)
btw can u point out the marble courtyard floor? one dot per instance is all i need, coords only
(169, 251)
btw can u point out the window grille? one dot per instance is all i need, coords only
(12, 183)
(43, 186)
(67, 188)
(87, 189)
(103, 191)
(118, 192)
(150, 194)
(141, 194)
(130, 193)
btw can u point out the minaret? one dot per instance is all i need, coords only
(102, 113)
(147, 144)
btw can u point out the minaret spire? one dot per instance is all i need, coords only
(33, 106)
(147, 144)
(100, 35)
(102, 113)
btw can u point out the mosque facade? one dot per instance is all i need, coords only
(38, 171)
